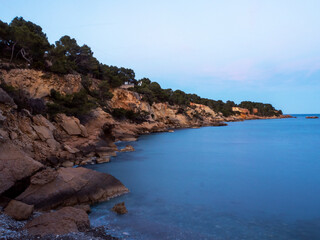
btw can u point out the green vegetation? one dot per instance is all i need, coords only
(76, 104)
(24, 43)
(263, 109)
(23, 101)
(152, 92)
(121, 114)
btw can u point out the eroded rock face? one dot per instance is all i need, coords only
(73, 186)
(18, 210)
(63, 221)
(39, 84)
(14, 165)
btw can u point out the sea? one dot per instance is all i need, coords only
(256, 179)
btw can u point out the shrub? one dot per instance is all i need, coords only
(76, 104)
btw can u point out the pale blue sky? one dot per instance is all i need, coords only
(262, 50)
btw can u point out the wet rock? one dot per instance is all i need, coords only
(128, 148)
(312, 117)
(120, 208)
(18, 210)
(15, 165)
(73, 186)
(104, 159)
(63, 221)
(86, 208)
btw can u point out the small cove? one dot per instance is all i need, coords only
(256, 179)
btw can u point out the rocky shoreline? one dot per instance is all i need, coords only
(41, 178)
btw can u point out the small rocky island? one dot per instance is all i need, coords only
(312, 117)
(60, 109)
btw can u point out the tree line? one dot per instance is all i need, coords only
(23, 42)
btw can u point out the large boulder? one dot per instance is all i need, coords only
(120, 208)
(66, 220)
(71, 125)
(15, 165)
(72, 186)
(18, 210)
(44, 177)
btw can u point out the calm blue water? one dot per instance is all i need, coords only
(256, 179)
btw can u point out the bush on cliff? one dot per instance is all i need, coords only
(23, 101)
(76, 104)
(122, 114)
(263, 109)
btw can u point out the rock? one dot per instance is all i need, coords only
(44, 177)
(128, 148)
(6, 99)
(2, 118)
(120, 208)
(13, 135)
(15, 165)
(67, 164)
(40, 120)
(70, 149)
(53, 144)
(104, 159)
(18, 210)
(43, 132)
(54, 161)
(171, 131)
(312, 117)
(63, 221)
(4, 201)
(73, 186)
(86, 208)
(71, 125)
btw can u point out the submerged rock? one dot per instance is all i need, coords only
(18, 210)
(120, 208)
(73, 186)
(63, 221)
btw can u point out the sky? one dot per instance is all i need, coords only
(257, 50)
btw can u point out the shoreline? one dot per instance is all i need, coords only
(124, 143)
(16, 224)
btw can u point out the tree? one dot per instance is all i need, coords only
(28, 42)
(63, 55)
(86, 63)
